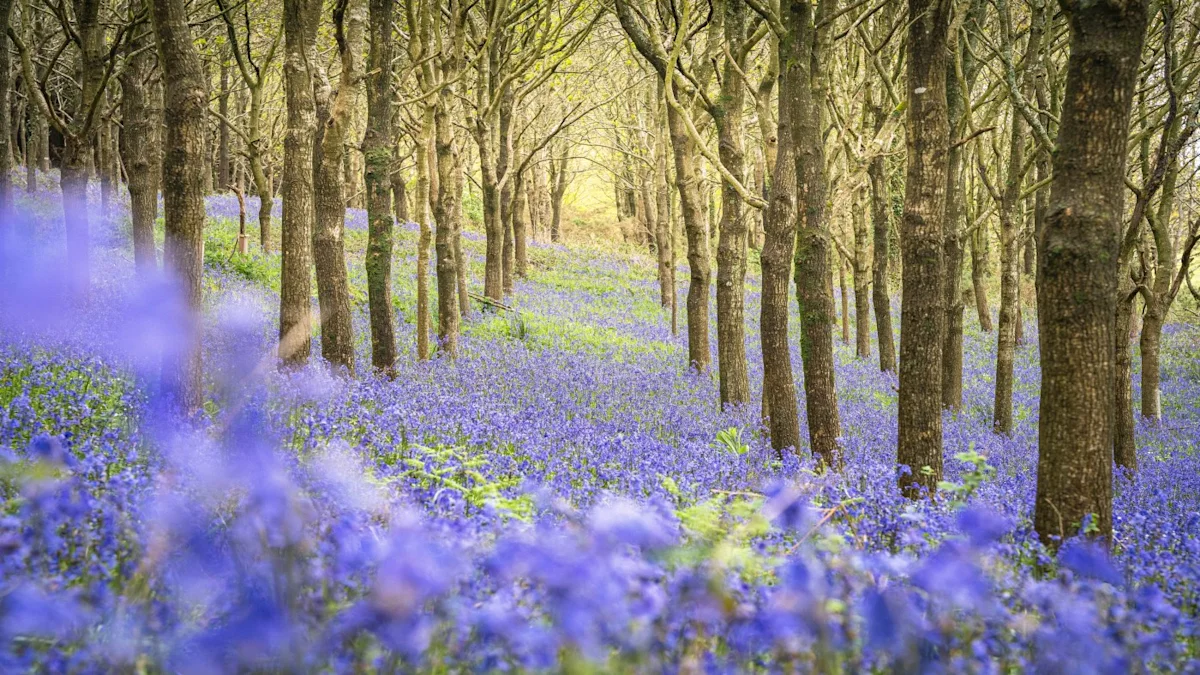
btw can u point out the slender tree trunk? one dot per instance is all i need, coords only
(862, 283)
(695, 225)
(879, 229)
(733, 370)
(262, 184)
(664, 235)
(464, 298)
(979, 267)
(6, 127)
(845, 298)
(520, 228)
(558, 188)
(421, 203)
(186, 96)
(141, 121)
(296, 230)
(813, 248)
(377, 154)
(1124, 448)
(923, 312)
(224, 177)
(1078, 277)
(446, 215)
(329, 254)
(779, 241)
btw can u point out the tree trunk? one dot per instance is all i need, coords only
(664, 236)
(696, 227)
(6, 128)
(520, 228)
(732, 368)
(141, 122)
(186, 96)
(979, 267)
(1124, 448)
(779, 241)
(862, 283)
(421, 203)
(329, 254)
(262, 184)
(1078, 277)
(296, 230)
(879, 228)
(224, 178)
(923, 312)
(446, 215)
(813, 249)
(558, 188)
(377, 154)
(845, 298)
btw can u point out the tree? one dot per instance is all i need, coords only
(82, 29)
(186, 96)
(813, 243)
(779, 240)
(333, 118)
(253, 74)
(295, 297)
(141, 120)
(1077, 272)
(922, 311)
(377, 154)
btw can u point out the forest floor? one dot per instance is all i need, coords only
(564, 492)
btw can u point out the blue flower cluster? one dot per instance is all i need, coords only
(554, 500)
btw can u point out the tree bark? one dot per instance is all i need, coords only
(223, 173)
(377, 156)
(1124, 448)
(979, 267)
(186, 96)
(862, 283)
(296, 229)
(813, 246)
(1077, 271)
(141, 120)
(6, 128)
(779, 241)
(732, 368)
(923, 312)
(879, 230)
(333, 125)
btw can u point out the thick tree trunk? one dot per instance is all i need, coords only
(732, 368)
(186, 96)
(296, 230)
(879, 235)
(141, 121)
(923, 312)
(779, 241)
(377, 154)
(731, 250)
(1149, 346)
(329, 251)
(813, 243)
(1077, 271)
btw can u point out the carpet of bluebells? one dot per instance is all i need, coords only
(565, 497)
